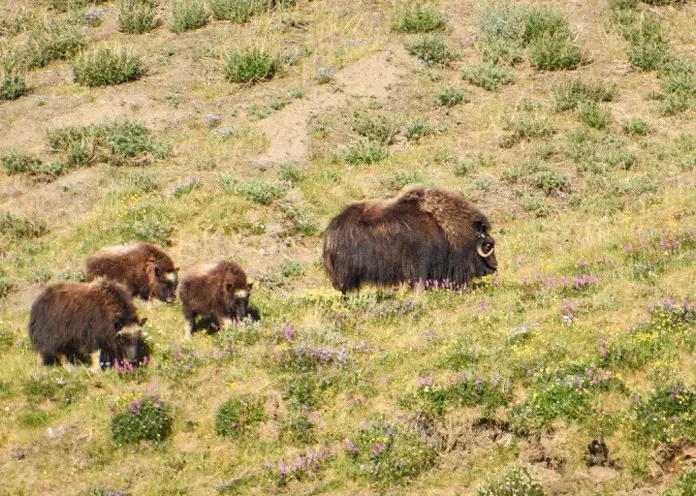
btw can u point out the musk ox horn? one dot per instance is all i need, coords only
(482, 253)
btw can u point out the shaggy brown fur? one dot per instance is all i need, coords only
(425, 236)
(83, 319)
(220, 291)
(146, 270)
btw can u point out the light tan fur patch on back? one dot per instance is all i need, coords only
(118, 250)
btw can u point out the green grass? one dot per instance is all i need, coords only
(489, 76)
(251, 65)
(432, 50)
(237, 10)
(594, 115)
(104, 67)
(187, 15)
(137, 16)
(415, 17)
(570, 92)
(51, 41)
(115, 143)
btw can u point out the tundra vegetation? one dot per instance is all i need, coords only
(178, 122)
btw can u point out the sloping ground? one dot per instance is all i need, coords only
(582, 335)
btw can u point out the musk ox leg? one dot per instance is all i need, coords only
(95, 366)
(41, 359)
(188, 327)
(66, 363)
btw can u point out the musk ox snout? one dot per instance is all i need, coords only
(239, 302)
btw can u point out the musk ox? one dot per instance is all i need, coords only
(220, 291)
(143, 268)
(424, 236)
(85, 319)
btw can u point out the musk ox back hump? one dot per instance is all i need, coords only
(146, 270)
(423, 235)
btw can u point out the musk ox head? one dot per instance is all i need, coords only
(485, 262)
(129, 341)
(164, 279)
(237, 297)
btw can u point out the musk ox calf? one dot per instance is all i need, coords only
(143, 268)
(220, 291)
(424, 236)
(85, 319)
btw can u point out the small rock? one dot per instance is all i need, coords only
(213, 119)
(389, 56)
(67, 187)
(262, 251)
(142, 161)
(225, 132)
(52, 432)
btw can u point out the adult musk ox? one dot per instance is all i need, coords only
(144, 269)
(85, 319)
(425, 236)
(220, 291)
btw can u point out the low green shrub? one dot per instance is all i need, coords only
(53, 41)
(364, 152)
(147, 419)
(594, 116)
(103, 67)
(554, 53)
(291, 268)
(238, 10)
(238, 415)
(389, 454)
(488, 75)
(256, 190)
(569, 93)
(16, 162)
(12, 85)
(187, 15)
(431, 49)
(415, 17)
(451, 97)
(635, 127)
(376, 128)
(116, 143)
(20, 226)
(249, 66)
(137, 16)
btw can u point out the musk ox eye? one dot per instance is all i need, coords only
(118, 326)
(158, 272)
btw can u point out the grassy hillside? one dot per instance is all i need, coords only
(236, 129)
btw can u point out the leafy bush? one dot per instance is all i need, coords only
(416, 18)
(488, 75)
(365, 152)
(517, 481)
(137, 16)
(142, 183)
(375, 128)
(569, 93)
(21, 227)
(102, 67)
(543, 31)
(635, 127)
(67, 5)
(450, 97)
(17, 162)
(115, 143)
(291, 268)
(664, 415)
(417, 130)
(290, 172)
(72, 275)
(147, 419)
(388, 454)
(554, 53)
(188, 14)
(53, 41)
(238, 10)
(238, 415)
(12, 85)
(249, 66)
(594, 116)
(648, 44)
(301, 223)
(16, 21)
(148, 224)
(402, 179)
(431, 49)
